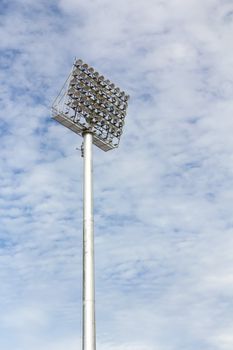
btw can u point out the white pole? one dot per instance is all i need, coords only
(89, 336)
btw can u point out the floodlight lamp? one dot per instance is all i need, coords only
(89, 102)
(101, 78)
(76, 72)
(85, 67)
(126, 98)
(95, 75)
(81, 77)
(78, 63)
(73, 82)
(115, 120)
(103, 83)
(71, 91)
(74, 103)
(122, 95)
(91, 70)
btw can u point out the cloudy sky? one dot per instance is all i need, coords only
(163, 200)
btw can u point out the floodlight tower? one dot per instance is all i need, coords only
(93, 107)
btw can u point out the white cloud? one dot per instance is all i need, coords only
(163, 200)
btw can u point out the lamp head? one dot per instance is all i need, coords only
(91, 102)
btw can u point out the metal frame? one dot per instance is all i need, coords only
(88, 101)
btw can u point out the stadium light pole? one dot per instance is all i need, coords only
(93, 107)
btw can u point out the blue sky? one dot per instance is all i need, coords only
(163, 200)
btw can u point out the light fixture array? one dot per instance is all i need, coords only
(91, 102)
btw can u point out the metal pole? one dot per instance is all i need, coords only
(89, 336)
